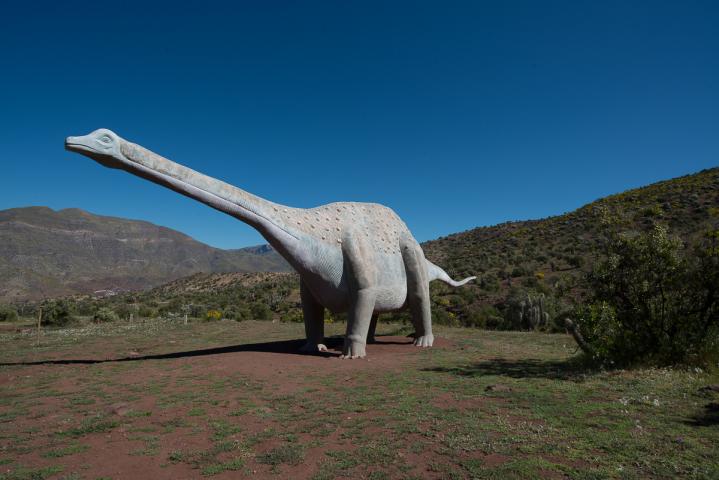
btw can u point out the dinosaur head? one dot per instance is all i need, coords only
(102, 145)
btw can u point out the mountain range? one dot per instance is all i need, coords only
(46, 253)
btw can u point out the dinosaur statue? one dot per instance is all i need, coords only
(353, 257)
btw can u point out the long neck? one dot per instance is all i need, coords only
(270, 219)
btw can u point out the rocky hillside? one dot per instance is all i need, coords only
(46, 253)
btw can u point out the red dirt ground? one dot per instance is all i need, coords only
(275, 366)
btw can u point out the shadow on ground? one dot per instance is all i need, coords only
(526, 368)
(291, 347)
(707, 418)
(288, 347)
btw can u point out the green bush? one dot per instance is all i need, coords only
(238, 313)
(105, 314)
(260, 311)
(146, 312)
(57, 313)
(575, 261)
(485, 316)
(7, 313)
(652, 301)
(124, 310)
(293, 315)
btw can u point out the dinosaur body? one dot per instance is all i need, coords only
(355, 257)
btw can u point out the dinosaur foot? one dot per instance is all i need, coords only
(424, 341)
(353, 350)
(312, 347)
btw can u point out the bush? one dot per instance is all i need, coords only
(146, 312)
(652, 301)
(7, 313)
(213, 315)
(260, 311)
(445, 316)
(105, 314)
(575, 261)
(293, 315)
(56, 313)
(486, 316)
(124, 310)
(238, 313)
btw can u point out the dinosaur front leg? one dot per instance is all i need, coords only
(360, 315)
(359, 260)
(314, 316)
(418, 291)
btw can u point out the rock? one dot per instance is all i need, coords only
(710, 388)
(497, 388)
(120, 409)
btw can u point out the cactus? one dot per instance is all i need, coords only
(527, 312)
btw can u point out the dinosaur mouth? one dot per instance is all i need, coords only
(73, 144)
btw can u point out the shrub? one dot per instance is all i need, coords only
(489, 283)
(260, 311)
(575, 261)
(486, 316)
(7, 313)
(332, 317)
(293, 315)
(105, 314)
(56, 313)
(652, 301)
(124, 310)
(238, 313)
(146, 312)
(213, 315)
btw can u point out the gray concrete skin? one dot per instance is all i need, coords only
(352, 257)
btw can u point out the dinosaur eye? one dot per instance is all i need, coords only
(105, 139)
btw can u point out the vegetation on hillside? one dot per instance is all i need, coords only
(530, 274)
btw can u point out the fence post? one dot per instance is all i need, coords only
(39, 322)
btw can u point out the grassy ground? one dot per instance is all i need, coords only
(480, 405)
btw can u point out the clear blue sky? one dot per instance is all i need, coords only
(455, 114)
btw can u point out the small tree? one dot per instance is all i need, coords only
(56, 313)
(105, 314)
(293, 315)
(146, 311)
(7, 313)
(652, 300)
(260, 311)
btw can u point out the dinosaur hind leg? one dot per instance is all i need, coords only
(417, 291)
(362, 279)
(314, 316)
(372, 328)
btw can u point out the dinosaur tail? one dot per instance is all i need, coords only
(436, 273)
